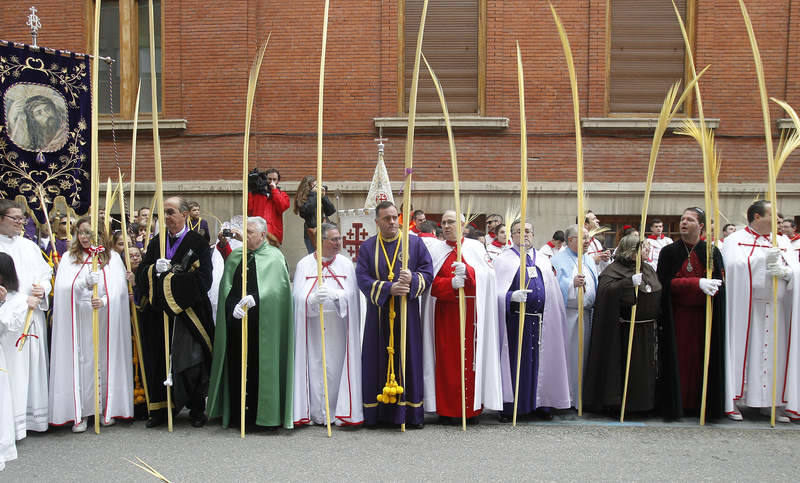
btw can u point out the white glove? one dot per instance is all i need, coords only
(457, 281)
(238, 312)
(248, 302)
(773, 255)
(710, 286)
(636, 278)
(319, 296)
(778, 270)
(519, 296)
(162, 265)
(91, 279)
(459, 269)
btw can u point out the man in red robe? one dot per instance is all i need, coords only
(682, 272)
(482, 381)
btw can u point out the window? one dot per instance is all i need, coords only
(646, 53)
(125, 36)
(454, 44)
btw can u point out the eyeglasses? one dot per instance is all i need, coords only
(448, 222)
(15, 219)
(86, 233)
(335, 239)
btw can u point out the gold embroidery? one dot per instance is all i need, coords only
(173, 305)
(196, 320)
(155, 406)
(150, 279)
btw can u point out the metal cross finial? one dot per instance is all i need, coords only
(34, 23)
(380, 140)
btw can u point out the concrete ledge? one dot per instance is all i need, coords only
(634, 123)
(473, 123)
(474, 187)
(143, 124)
(785, 123)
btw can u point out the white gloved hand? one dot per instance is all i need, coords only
(520, 296)
(248, 302)
(162, 265)
(773, 255)
(238, 312)
(710, 286)
(91, 279)
(459, 269)
(636, 278)
(778, 270)
(457, 282)
(319, 296)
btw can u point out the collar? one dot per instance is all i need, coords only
(655, 237)
(177, 235)
(755, 233)
(795, 237)
(498, 244)
(492, 235)
(389, 240)
(422, 234)
(453, 243)
(6, 239)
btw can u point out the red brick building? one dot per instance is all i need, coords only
(207, 49)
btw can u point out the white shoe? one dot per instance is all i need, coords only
(111, 422)
(780, 416)
(735, 416)
(80, 427)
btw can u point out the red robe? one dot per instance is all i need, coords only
(688, 309)
(448, 353)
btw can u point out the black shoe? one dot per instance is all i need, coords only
(199, 421)
(156, 419)
(503, 418)
(473, 421)
(446, 420)
(544, 415)
(416, 426)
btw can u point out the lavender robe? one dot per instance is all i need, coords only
(544, 384)
(372, 273)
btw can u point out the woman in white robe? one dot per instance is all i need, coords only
(13, 307)
(72, 359)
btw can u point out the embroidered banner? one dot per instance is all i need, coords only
(45, 126)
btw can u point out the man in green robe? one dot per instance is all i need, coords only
(270, 335)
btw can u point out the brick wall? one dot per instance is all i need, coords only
(209, 47)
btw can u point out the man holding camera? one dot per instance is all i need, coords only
(267, 200)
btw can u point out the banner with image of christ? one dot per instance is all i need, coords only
(45, 117)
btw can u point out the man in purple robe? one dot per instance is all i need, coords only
(543, 381)
(383, 283)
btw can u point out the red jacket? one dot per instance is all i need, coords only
(271, 209)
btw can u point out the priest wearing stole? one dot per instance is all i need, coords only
(441, 330)
(543, 380)
(383, 283)
(565, 263)
(339, 298)
(270, 335)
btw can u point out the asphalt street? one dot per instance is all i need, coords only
(567, 448)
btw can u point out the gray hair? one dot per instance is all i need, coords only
(326, 227)
(517, 222)
(258, 222)
(183, 205)
(628, 247)
(570, 231)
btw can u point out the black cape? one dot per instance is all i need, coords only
(181, 293)
(670, 261)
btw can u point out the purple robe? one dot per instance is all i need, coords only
(372, 272)
(62, 245)
(529, 363)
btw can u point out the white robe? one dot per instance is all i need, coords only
(217, 269)
(566, 266)
(749, 324)
(595, 248)
(488, 377)
(552, 381)
(342, 345)
(72, 374)
(12, 317)
(28, 368)
(656, 244)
